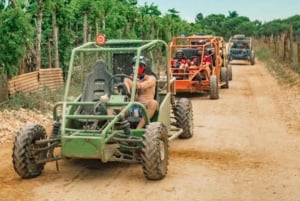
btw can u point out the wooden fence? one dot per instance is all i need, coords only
(51, 78)
(284, 46)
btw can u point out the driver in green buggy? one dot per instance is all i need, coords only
(146, 86)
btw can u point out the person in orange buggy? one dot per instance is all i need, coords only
(180, 61)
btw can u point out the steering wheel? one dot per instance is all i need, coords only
(116, 82)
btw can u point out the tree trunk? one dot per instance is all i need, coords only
(153, 27)
(96, 25)
(85, 28)
(55, 39)
(49, 54)
(13, 3)
(3, 85)
(125, 31)
(103, 23)
(39, 35)
(89, 33)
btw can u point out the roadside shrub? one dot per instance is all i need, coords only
(284, 72)
(40, 100)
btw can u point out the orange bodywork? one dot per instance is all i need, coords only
(202, 61)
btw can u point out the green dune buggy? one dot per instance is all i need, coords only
(84, 129)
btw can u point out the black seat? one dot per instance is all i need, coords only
(95, 86)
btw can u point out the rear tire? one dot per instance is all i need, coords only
(214, 88)
(155, 154)
(23, 154)
(223, 74)
(229, 59)
(229, 69)
(225, 77)
(252, 58)
(184, 117)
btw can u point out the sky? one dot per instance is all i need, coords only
(262, 10)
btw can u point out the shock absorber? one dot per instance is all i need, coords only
(125, 125)
(55, 130)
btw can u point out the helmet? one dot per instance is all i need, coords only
(179, 51)
(201, 42)
(142, 60)
(179, 54)
(142, 68)
(198, 42)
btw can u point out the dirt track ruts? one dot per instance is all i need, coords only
(246, 147)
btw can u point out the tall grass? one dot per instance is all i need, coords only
(286, 73)
(41, 100)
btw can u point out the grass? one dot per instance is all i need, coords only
(286, 73)
(41, 100)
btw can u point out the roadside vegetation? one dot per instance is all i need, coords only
(42, 101)
(41, 34)
(45, 32)
(286, 73)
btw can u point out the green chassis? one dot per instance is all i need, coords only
(103, 144)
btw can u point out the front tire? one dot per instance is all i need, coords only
(24, 154)
(184, 117)
(155, 154)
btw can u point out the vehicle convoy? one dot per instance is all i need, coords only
(198, 63)
(98, 116)
(240, 48)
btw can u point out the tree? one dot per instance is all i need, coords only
(232, 14)
(199, 17)
(174, 13)
(151, 14)
(247, 28)
(230, 26)
(16, 36)
(214, 23)
(275, 27)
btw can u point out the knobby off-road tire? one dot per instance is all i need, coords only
(229, 69)
(229, 59)
(184, 117)
(155, 154)
(213, 87)
(225, 77)
(23, 155)
(223, 74)
(252, 58)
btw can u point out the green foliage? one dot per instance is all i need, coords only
(232, 14)
(116, 19)
(275, 27)
(16, 35)
(295, 22)
(199, 17)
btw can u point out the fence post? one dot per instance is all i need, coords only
(291, 44)
(298, 53)
(284, 47)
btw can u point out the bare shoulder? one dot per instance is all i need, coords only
(150, 77)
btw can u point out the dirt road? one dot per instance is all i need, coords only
(246, 147)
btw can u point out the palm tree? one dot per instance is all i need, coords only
(232, 14)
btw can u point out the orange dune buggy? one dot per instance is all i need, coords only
(196, 63)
